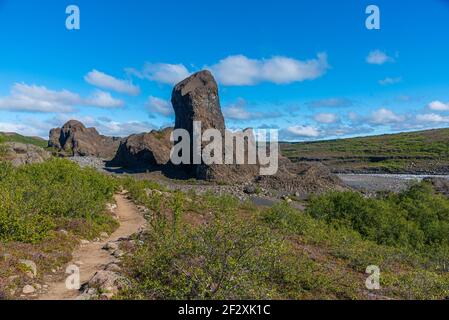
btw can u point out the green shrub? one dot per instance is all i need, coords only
(34, 199)
(415, 218)
(225, 259)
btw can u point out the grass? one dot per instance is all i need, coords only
(2, 147)
(403, 152)
(14, 137)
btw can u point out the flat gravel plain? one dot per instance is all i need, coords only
(383, 182)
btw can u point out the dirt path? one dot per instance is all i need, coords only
(91, 258)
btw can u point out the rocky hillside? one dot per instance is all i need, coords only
(410, 152)
(75, 139)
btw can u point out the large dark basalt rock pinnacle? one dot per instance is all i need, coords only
(196, 99)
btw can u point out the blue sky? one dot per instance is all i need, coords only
(309, 68)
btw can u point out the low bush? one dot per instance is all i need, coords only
(35, 199)
(416, 218)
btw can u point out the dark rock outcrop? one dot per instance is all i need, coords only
(144, 150)
(196, 99)
(75, 139)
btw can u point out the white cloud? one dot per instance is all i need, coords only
(431, 117)
(385, 116)
(160, 106)
(19, 128)
(239, 70)
(326, 118)
(60, 119)
(161, 72)
(123, 129)
(105, 81)
(33, 98)
(304, 131)
(390, 81)
(38, 99)
(438, 106)
(378, 57)
(103, 99)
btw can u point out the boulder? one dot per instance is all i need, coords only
(21, 153)
(145, 149)
(28, 289)
(75, 139)
(108, 281)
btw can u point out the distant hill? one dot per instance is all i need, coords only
(15, 137)
(411, 152)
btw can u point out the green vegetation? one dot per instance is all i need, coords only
(14, 137)
(208, 247)
(410, 151)
(37, 199)
(215, 247)
(416, 218)
(2, 147)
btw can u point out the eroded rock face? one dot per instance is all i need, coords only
(196, 99)
(20, 153)
(76, 140)
(145, 149)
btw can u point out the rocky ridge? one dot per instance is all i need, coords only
(75, 139)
